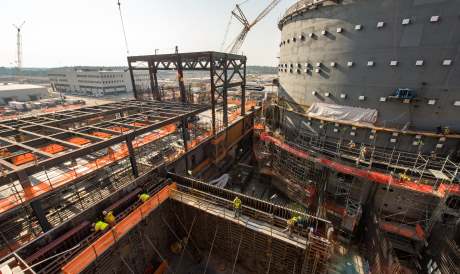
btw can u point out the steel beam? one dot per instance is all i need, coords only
(38, 211)
(59, 159)
(132, 157)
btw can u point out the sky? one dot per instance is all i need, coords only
(88, 32)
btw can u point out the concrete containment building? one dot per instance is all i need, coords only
(21, 92)
(97, 81)
(359, 53)
(397, 59)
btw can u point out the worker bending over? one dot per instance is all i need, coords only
(99, 226)
(143, 197)
(109, 217)
(237, 206)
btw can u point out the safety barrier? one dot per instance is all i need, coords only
(370, 175)
(108, 239)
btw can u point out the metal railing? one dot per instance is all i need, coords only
(272, 212)
(363, 154)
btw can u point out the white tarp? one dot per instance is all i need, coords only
(343, 113)
(221, 181)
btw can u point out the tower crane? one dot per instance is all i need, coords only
(19, 45)
(235, 46)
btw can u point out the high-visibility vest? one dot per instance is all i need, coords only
(144, 197)
(237, 203)
(110, 218)
(100, 226)
(292, 221)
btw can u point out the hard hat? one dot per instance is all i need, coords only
(104, 212)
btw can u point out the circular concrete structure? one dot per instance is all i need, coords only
(360, 52)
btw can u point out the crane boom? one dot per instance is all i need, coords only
(235, 46)
(266, 11)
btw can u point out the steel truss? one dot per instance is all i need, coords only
(226, 71)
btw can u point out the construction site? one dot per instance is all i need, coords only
(325, 177)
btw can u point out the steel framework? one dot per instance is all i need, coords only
(226, 71)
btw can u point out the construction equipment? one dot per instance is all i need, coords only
(19, 44)
(235, 46)
(123, 27)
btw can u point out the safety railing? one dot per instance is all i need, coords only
(364, 154)
(273, 211)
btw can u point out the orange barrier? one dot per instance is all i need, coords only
(78, 140)
(374, 176)
(90, 254)
(415, 233)
(45, 186)
(137, 124)
(259, 126)
(101, 134)
(23, 159)
(162, 268)
(119, 129)
(53, 148)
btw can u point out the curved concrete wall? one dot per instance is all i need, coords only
(348, 32)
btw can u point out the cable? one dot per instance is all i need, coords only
(123, 27)
(49, 258)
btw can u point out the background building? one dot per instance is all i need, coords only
(95, 81)
(21, 92)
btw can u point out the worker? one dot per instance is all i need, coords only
(237, 206)
(362, 155)
(330, 233)
(446, 130)
(290, 225)
(143, 197)
(100, 226)
(109, 217)
(351, 144)
(178, 246)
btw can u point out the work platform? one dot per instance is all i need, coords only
(212, 206)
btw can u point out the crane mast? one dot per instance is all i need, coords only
(19, 45)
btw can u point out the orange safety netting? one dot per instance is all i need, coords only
(259, 126)
(138, 124)
(119, 129)
(374, 176)
(90, 254)
(193, 143)
(101, 134)
(78, 140)
(23, 158)
(40, 188)
(53, 148)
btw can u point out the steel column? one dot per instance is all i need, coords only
(40, 214)
(243, 90)
(213, 95)
(152, 81)
(224, 94)
(185, 138)
(133, 82)
(132, 157)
